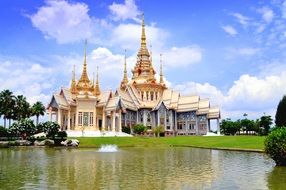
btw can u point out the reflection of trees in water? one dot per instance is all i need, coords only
(277, 178)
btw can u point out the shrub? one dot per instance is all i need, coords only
(126, 129)
(3, 132)
(275, 146)
(158, 130)
(24, 128)
(139, 128)
(50, 128)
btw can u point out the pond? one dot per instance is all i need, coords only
(137, 168)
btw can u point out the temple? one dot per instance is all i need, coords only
(139, 100)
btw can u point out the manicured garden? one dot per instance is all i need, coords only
(254, 143)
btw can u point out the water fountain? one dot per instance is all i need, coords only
(108, 148)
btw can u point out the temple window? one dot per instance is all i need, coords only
(85, 119)
(148, 117)
(80, 118)
(192, 126)
(152, 96)
(91, 119)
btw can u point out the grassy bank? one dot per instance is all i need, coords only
(254, 143)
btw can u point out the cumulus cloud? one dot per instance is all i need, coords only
(25, 77)
(128, 10)
(267, 14)
(63, 21)
(182, 56)
(243, 20)
(128, 36)
(229, 30)
(249, 94)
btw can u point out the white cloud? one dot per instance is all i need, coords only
(267, 14)
(283, 9)
(128, 10)
(182, 56)
(242, 52)
(249, 94)
(128, 36)
(243, 20)
(230, 30)
(28, 78)
(66, 22)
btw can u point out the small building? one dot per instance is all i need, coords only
(141, 100)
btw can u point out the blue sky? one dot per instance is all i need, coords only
(230, 51)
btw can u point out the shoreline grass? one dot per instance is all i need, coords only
(239, 143)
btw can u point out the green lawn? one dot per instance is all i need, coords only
(255, 143)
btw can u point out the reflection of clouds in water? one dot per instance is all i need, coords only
(138, 168)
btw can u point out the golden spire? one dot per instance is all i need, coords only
(161, 71)
(143, 35)
(93, 79)
(73, 84)
(96, 88)
(84, 76)
(124, 81)
(151, 54)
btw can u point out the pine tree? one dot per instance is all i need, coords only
(280, 117)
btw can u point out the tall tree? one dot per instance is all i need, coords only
(280, 117)
(265, 123)
(22, 108)
(38, 109)
(7, 104)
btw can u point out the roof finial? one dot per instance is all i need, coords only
(96, 88)
(143, 36)
(161, 70)
(73, 84)
(151, 53)
(125, 78)
(93, 79)
(84, 76)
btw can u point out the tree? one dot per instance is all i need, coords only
(229, 127)
(264, 124)
(280, 117)
(22, 108)
(7, 105)
(38, 109)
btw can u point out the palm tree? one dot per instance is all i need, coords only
(38, 109)
(22, 109)
(7, 104)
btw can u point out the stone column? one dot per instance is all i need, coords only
(95, 119)
(76, 118)
(144, 96)
(176, 123)
(69, 119)
(59, 118)
(197, 125)
(113, 121)
(120, 122)
(50, 114)
(218, 126)
(103, 119)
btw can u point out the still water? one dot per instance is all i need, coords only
(137, 168)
